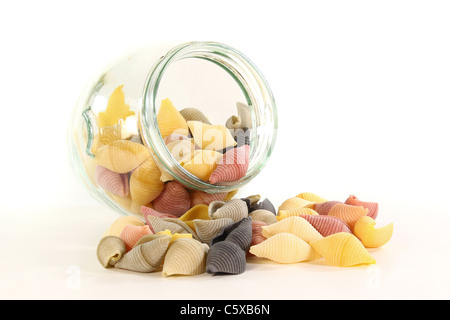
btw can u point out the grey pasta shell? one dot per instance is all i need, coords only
(266, 205)
(240, 233)
(225, 258)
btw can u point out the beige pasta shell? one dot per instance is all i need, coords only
(285, 248)
(263, 215)
(207, 229)
(121, 156)
(110, 250)
(295, 225)
(185, 257)
(242, 120)
(211, 137)
(173, 225)
(146, 257)
(193, 114)
(120, 223)
(145, 183)
(235, 209)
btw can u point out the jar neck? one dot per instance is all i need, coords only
(255, 89)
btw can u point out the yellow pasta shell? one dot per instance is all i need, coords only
(370, 237)
(342, 249)
(145, 183)
(116, 109)
(295, 225)
(121, 156)
(284, 248)
(211, 137)
(311, 197)
(283, 214)
(203, 163)
(295, 203)
(170, 119)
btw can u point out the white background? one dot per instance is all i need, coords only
(363, 93)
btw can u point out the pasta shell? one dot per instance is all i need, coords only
(193, 114)
(131, 234)
(116, 109)
(110, 250)
(284, 248)
(123, 202)
(170, 119)
(211, 137)
(200, 197)
(342, 250)
(233, 166)
(150, 211)
(208, 229)
(146, 257)
(185, 257)
(175, 137)
(199, 211)
(182, 149)
(265, 204)
(253, 199)
(106, 135)
(240, 233)
(324, 207)
(257, 236)
(241, 136)
(203, 163)
(311, 197)
(295, 225)
(371, 206)
(145, 185)
(225, 258)
(283, 214)
(327, 225)
(242, 120)
(173, 225)
(235, 209)
(263, 215)
(174, 199)
(176, 236)
(295, 203)
(348, 214)
(121, 156)
(371, 237)
(112, 181)
(120, 223)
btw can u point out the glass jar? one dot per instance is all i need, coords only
(120, 107)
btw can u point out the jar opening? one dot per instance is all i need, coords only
(194, 67)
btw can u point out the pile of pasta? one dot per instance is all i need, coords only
(219, 237)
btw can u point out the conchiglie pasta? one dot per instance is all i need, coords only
(284, 248)
(348, 214)
(311, 197)
(145, 183)
(295, 225)
(211, 137)
(170, 119)
(185, 257)
(121, 156)
(295, 203)
(283, 214)
(120, 223)
(342, 250)
(203, 164)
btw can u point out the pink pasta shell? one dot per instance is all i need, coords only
(372, 206)
(233, 166)
(174, 199)
(111, 181)
(324, 207)
(131, 235)
(200, 197)
(149, 211)
(327, 225)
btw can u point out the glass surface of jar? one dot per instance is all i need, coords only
(167, 114)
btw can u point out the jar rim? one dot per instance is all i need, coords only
(256, 90)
